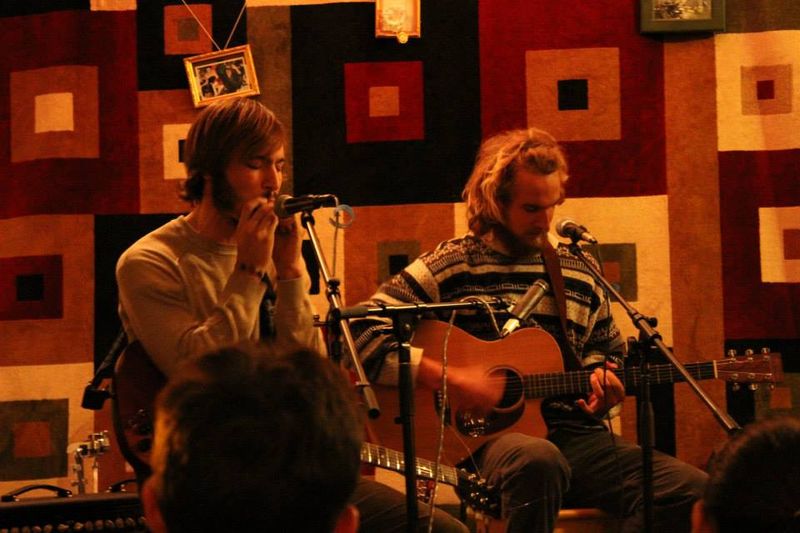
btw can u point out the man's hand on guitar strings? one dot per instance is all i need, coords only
(607, 391)
(471, 388)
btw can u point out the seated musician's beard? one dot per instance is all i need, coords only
(517, 247)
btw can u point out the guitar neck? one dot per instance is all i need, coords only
(554, 383)
(382, 457)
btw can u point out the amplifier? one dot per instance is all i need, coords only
(110, 511)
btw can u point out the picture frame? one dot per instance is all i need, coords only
(676, 16)
(223, 74)
(399, 19)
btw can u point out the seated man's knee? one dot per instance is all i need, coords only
(532, 456)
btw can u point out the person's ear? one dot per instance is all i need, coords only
(347, 521)
(701, 522)
(152, 512)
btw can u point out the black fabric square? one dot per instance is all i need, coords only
(394, 172)
(397, 263)
(30, 288)
(573, 94)
(158, 71)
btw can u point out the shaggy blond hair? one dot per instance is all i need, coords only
(488, 190)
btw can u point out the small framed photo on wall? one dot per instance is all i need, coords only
(675, 16)
(398, 18)
(221, 74)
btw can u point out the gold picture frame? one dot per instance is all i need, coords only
(400, 19)
(222, 74)
(681, 16)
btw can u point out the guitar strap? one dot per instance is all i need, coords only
(553, 267)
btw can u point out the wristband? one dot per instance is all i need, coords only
(253, 271)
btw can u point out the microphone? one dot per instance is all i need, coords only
(572, 230)
(525, 305)
(286, 206)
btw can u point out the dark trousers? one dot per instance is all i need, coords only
(586, 469)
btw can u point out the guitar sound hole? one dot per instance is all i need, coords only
(512, 392)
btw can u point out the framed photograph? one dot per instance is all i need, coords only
(221, 74)
(400, 19)
(672, 16)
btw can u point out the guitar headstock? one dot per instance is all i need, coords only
(478, 494)
(751, 368)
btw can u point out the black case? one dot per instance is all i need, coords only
(110, 511)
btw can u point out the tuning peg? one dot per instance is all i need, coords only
(731, 353)
(753, 386)
(735, 386)
(765, 350)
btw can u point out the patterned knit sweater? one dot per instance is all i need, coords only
(468, 267)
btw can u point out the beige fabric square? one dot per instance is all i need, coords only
(781, 76)
(82, 140)
(53, 112)
(384, 101)
(773, 223)
(600, 67)
(113, 5)
(736, 129)
(172, 135)
(618, 221)
(52, 382)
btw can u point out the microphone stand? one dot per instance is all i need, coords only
(404, 319)
(651, 339)
(337, 324)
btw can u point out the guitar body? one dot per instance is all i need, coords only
(137, 381)
(135, 384)
(525, 351)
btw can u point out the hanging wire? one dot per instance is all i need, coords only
(236, 24)
(442, 413)
(233, 30)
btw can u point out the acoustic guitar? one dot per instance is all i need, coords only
(137, 381)
(530, 364)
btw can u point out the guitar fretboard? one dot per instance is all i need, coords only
(377, 455)
(553, 383)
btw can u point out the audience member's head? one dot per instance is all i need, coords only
(249, 441)
(754, 482)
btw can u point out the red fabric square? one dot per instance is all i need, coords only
(612, 271)
(407, 125)
(32, 439)
(765, 89)
(51, 303)
(105, 184)
(633, 166)
(755, 309)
